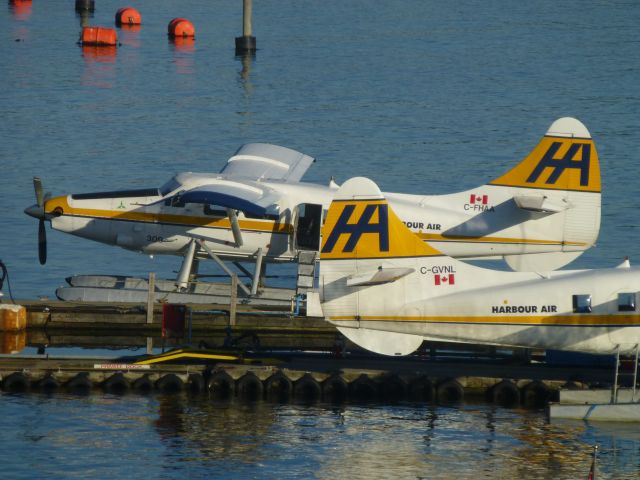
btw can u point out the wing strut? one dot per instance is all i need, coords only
(222, 265)
(235, 227)
(256, 273)
(182, 282)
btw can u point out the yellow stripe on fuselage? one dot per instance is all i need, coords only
(556, 320)
(436, 237)
(257, 225)
(166, 218)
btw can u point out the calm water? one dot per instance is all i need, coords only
(421, 96)
(175, 437)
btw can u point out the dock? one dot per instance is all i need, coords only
(264, 352)
(85, 324)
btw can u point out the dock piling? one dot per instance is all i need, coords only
(246, 44)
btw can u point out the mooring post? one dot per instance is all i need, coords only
(151, 296)
(247, 42)
(233, 300)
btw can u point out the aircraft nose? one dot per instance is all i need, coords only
(35, 211)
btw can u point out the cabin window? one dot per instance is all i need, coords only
(626, 302)
(215, 210)
(582, 303)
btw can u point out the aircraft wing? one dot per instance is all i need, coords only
(263, 161)
(238, 196)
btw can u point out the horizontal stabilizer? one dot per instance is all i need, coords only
(539, 203)
(263, 161)
(540, 262)
(384, 343)
(377, 277)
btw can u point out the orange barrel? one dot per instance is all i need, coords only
(99, 36)
(13, 342)
(181, 27)
(128, 16)
(13, 318)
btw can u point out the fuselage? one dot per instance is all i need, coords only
(588, 311)
(382, 281)
(484, 222)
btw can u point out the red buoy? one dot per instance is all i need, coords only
(128, 16)
(20, 8)
(99, 36)
(181, 27)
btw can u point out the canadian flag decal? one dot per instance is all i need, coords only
(479, 199)
(449, 279)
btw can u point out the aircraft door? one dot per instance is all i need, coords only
(307, 225)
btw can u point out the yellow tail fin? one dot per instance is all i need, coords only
(565, 159)
(360, 224)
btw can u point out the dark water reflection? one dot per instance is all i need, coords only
(179, 436)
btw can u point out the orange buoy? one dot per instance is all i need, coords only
(99, 36)
(20, 8)
(128, 16)
(181, 27)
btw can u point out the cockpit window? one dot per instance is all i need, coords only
(170, 186)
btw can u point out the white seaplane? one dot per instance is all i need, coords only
(388, 291)
(541, 214)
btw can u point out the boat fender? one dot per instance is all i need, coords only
(335, 389)
(80, 384)
(392, 388)
(535, 394)
(195, 383)
(15, 382)
(47, 384)
(505, 394)
(249, 387)
(449, 391)
(221, 385)
(278, 387)
(307, 389)
(420, 389)
(170, 383)
(116, 384)
(363, 389)
(143, 384)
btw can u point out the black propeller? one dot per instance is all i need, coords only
(37, 211)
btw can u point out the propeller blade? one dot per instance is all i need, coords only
(37, 186)
(42, 242)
